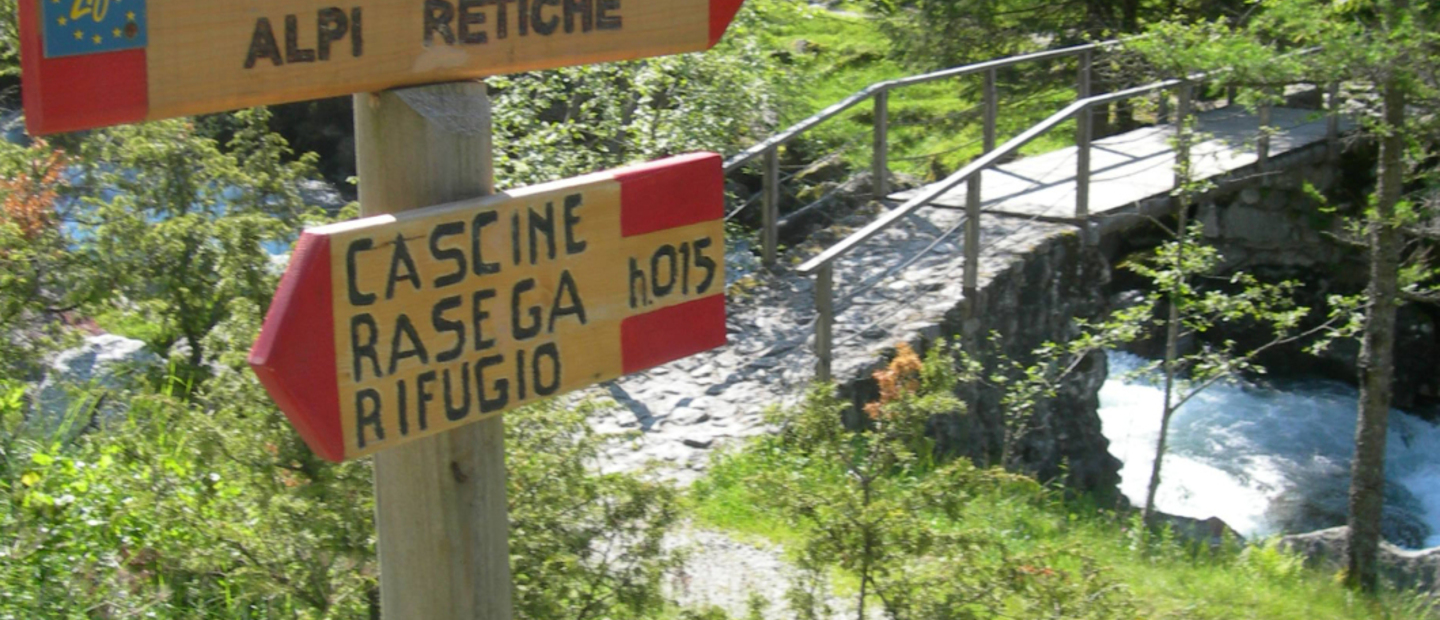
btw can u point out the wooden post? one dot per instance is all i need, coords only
(440, 510)
(880, 157)
(770, 207)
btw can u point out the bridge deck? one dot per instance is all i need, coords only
(1133, 166)
(899, 286)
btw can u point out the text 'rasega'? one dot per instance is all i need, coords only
(443, 316)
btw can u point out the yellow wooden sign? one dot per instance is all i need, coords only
(89, 63)
(415, 323)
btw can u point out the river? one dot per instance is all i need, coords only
(1268, 459)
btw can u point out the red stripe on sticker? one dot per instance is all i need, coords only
(78, 92)
(722, 12)
(294, 357)
(668, 334)
(670, 193)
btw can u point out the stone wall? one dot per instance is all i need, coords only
(1032, 300)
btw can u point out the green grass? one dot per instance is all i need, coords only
(935, 128)
(1166, 579)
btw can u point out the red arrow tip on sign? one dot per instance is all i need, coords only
(294, 357)
(722, 12)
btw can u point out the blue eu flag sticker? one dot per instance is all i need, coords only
(74, 27)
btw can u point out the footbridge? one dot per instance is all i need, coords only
(1004, 244)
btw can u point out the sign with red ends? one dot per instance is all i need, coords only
(395, 327)
(92, 63)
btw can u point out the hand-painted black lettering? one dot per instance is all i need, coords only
(544, 225)
(666, 252)
(479, 266)
(357, 33)
(331, 25)
(684, 269)
(416, 347)
(519, 376)
(443, 325)
(502, 385)
(517, 329)
(573, 245)
(515, 237)
(704, 262)
(603, 19)
(637, 276)
(549, 351)
(361, 348)
(293, 52)
(352, 272)
(561, 307)
(522, 15)
(402, 409)
(544, 27)
(263, 45)
(400, 256)
(423, 398)
(478, 317)
(470, 16)
(448, 229)
(455, 412)
(581, 8)
(502, 17)
(438, 15)
(367, 416)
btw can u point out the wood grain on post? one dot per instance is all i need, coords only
(440, 509)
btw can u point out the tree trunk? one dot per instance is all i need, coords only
(1376, 363)
(1183, 178)
(1172, 350)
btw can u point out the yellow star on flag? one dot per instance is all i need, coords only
(79, 36)
(62, 21)
(130, 15)
(116, 32)
(97, 39)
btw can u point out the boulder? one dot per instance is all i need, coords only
(104, 362)
(1406, 569)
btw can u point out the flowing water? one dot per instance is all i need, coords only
(1268, 459)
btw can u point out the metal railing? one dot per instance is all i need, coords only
(879, 92)
(822, 265)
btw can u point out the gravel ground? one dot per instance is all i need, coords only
(724, 572)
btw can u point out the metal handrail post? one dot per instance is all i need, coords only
(880, 157)
(1184, 93)
(1082, 165)
(1332, 121)
(770, 234)
(973, 195)
(1083, 129)
(1262, 144)
(991, 110)
(824, 320)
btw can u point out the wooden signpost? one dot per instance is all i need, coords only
(406, 335)
(92, 63)
(391, 328)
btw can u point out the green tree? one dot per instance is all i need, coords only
(177, 223)
(1389, 46)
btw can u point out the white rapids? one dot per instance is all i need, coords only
(1258, 456)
